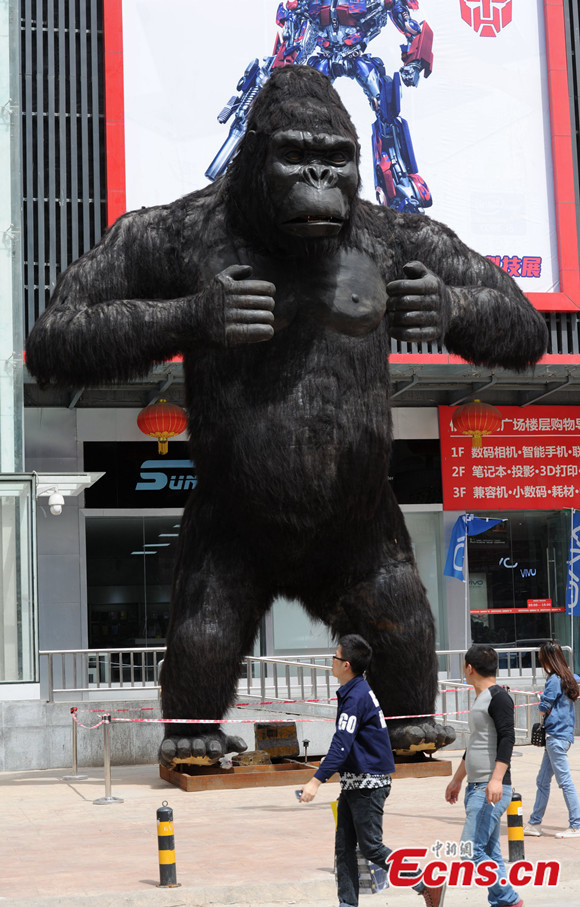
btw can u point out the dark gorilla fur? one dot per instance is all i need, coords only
(291, 437)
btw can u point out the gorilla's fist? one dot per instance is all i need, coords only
(418, 306)
(248, 306)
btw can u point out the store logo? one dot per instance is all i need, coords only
(156, 475)
(505, 562)
(486, 17)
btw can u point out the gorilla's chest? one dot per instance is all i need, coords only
(345, 293)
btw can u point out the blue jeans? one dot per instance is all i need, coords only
(555, 762)
(482, 826)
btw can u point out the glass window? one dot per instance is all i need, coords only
(295, 632)
(517, 578)
(18, 634)
(425, 531)
(129, 574)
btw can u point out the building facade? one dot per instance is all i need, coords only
(98, 574)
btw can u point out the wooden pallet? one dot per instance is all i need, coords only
(212, 777)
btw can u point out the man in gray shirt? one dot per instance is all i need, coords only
(486, 765)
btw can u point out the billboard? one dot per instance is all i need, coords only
(489, 126)
(530, 462)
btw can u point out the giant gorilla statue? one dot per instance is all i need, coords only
(281, 288)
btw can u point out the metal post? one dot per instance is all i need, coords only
(306, 745)
(515, 823)
(263, 679)
(166, 847)
(107, 764)
(74, 776)
(467, 597)
(50, 679)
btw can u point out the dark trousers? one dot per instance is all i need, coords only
(359, 820)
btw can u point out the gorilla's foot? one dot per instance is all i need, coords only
(414, 737)
(202, 748)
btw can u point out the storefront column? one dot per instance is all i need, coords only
(18, 649)
(11, 335)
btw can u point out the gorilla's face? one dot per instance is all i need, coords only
(311, 180)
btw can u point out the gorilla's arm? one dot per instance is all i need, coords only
(135, 299)
(109, 317)
(482, 314)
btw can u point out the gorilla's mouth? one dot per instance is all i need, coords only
(313, 225)
(315, 219)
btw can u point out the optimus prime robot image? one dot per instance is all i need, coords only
(332, 37)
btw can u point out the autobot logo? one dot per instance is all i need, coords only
(486, 17)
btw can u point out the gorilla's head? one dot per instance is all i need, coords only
(292, 186)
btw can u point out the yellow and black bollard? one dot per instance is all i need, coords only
(515, 823)
(166, 843)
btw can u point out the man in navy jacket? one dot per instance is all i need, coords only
(361, 753)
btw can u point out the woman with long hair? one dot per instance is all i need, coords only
(557, 708)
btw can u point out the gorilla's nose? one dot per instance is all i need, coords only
(320, 176)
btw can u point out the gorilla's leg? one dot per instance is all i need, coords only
(389, 608)
(216, 611)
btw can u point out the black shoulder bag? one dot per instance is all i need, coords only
(538, 733)
(538, 729)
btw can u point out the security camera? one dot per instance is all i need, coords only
(56, 503)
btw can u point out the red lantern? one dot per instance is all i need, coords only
(162, 420)
(476, 419)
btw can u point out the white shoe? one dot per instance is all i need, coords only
(534, 831)
(569, 833)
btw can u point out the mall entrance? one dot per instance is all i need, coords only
(517, 579)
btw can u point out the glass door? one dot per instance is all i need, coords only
(129, 574)
(517, 579)
(18, 625)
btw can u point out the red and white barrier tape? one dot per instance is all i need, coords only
(255, 702)
(285, 720)
(525, 705)
(88, 727)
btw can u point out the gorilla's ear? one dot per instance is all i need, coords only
(251, 139)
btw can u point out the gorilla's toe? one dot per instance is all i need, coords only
(168, 750)
(407, 739)
(203, 749)
(235, 744)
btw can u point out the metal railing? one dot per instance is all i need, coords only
(88, 673)
(293, 677)
(110, 671)
(514, 663)
(457, 698)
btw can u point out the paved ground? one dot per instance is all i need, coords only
(241, 848)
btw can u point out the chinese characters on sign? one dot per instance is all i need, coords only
(531, 462)
(527, 266)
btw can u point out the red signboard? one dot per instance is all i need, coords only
(531, 462)
(540, 604)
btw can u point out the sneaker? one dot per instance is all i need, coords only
(569, 833)
(533, 830)
(434, 897)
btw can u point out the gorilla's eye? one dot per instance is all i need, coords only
(293, 155)
(337, 157)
